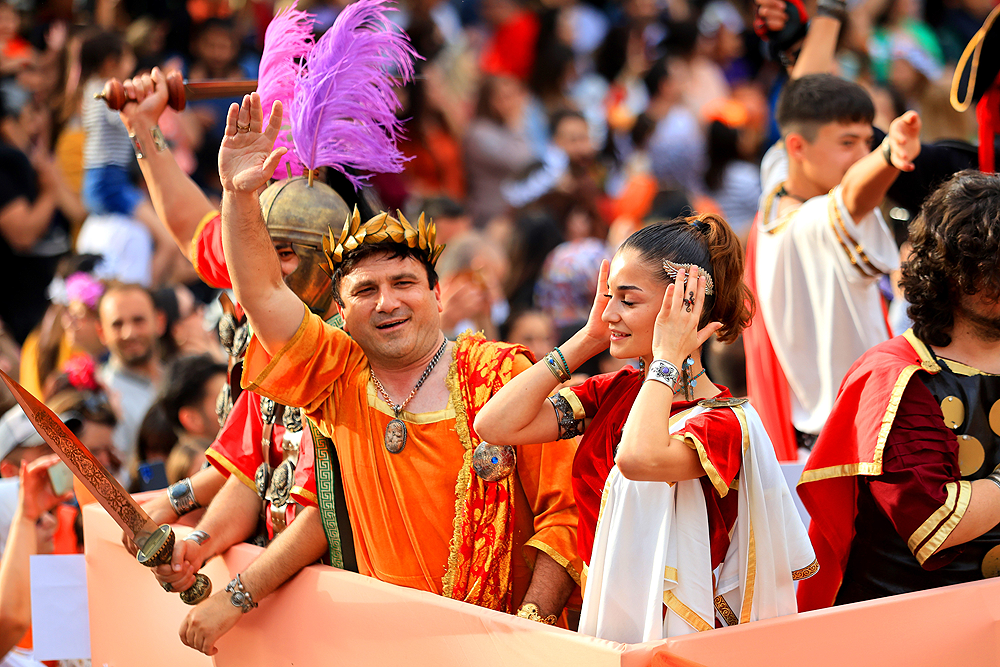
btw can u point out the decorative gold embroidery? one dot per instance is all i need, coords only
(857, 246)
(766, 214)
(462, 484)
(806, 572)
(725, 611)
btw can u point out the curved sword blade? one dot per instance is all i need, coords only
(106, 489)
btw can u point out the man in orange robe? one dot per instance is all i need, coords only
(401, 421)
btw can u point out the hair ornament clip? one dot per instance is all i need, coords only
(671, 269)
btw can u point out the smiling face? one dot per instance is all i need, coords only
(636, 297)
(390, 309)
(129, 325)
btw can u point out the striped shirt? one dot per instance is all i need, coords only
(107, 141)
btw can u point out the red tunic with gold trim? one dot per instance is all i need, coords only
(889, 478)
(237, 449)
(605, 401)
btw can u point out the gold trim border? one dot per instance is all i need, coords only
(464, 474)
(254, 386)
(304, 493)
(936, 540)
(725, 611)
(685, 612)
(193, 249)
(806, 572)
(556, 556)
(574, 402)
(221, 461)
(924, 530)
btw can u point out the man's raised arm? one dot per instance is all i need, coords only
(246, 162)
(177, 200)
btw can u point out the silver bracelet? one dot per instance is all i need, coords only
(181, 497)
(198, 536)
(240, 595)
(665, 372)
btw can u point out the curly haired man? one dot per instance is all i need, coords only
(903, 485)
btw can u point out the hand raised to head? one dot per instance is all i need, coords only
(676, 334)
(597, 329)
(246, 158)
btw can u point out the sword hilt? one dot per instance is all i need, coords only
(161, 544)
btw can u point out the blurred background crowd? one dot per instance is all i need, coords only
(540, 134)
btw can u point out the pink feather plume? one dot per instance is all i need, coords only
(287, 41)
(344, 106)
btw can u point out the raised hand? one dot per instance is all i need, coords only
(246, 158)
(597, 331)
(150, 99)
(772, 12)
(36, 495)
(904, 140)
(676, 334)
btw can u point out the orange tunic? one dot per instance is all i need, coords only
(403, 506)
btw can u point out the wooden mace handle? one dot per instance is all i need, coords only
(114, 93)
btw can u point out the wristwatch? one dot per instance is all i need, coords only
(665, 372)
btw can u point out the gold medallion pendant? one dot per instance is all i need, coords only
(395, 436)
(395, 430)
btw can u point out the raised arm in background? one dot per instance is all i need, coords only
(246, 162)
(177, 200)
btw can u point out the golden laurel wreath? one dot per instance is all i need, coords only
(382, 227)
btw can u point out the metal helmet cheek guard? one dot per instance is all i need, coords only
(301, 213)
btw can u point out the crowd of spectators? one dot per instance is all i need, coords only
(539, 135)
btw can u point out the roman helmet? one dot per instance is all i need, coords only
(301, 214)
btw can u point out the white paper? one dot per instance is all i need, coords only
(60, 617)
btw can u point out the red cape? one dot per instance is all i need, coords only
(766, 383)
(851, 444)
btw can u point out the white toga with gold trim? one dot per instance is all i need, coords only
(817, 274)
(651, 549)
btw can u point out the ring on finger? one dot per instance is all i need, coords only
(242, 128)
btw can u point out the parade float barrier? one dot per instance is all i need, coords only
(328, 616)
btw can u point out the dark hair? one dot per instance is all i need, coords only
(441, 206)
(612, 55)
(956, 243)
(808, 103)
(385, 250)
(657, 74)
(97, 48)
(722, 148)
(708, 242)
(548, 75)
(157, 436)
(186, 383)
(484, 100)
(165, 301)
(559, 116)
(115, 286)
